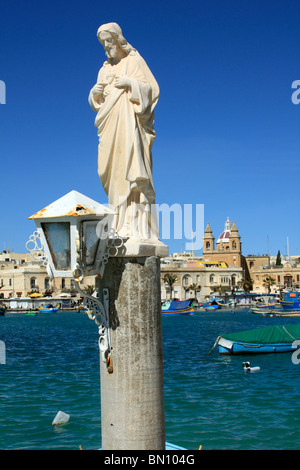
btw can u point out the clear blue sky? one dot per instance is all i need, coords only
(227, 130)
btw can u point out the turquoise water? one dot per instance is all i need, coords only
(52, 364)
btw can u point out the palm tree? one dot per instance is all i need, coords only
(170, 279)
(246, 284)
(221, 289)
(89, 290)
(268, 282)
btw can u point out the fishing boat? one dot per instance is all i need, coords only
(32, 313)
(3, 309)
(272, 339)
(264, 305)
(263, 310)
(213, 304)
(286, 313)
(48, 308)
(211, 307)
(177, 307)
(290, 300)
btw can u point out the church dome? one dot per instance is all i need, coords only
(224, 237)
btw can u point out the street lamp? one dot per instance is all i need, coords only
(75, 238)
(74, 232)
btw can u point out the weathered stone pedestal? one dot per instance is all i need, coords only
(132, 397)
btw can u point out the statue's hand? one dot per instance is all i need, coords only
(122, 82)
(97, 89)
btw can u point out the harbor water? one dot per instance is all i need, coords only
(52, 364)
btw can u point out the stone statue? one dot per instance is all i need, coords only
(124, 99)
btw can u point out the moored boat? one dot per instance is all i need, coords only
(262, 310)
(177, 307)
(48, 308)
(286, 313)
(213, 304)
(290, 300)
(211, 307)
(263, 305)
(272, 339)
(32, 313)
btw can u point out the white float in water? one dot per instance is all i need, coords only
(247, 368)
(61, 418)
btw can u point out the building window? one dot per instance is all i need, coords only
(63, 283)
(211, 278)
(288, 280)
(186, 281)
(207, 245)
(234, 245)
(9, 282)
(278, 278)
(47, 283)
(32, 283)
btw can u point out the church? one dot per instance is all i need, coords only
(228, 247)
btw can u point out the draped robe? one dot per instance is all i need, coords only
(125, 122)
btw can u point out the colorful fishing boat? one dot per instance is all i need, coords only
(48, 308)
(177, 307)
(213, 304)
(290, 300)
(212, 307)
(264, 305)
(32, 313)
(272, 339)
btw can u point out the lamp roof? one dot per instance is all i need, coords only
(73, 204)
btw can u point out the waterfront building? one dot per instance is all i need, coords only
(224, 267)
(284, 275)
(219, 270)
(21, 275)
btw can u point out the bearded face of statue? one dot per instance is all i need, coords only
(111, 46)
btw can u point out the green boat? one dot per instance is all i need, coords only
(271, 339)
(31, 314)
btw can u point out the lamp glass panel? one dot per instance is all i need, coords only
(58, 238)
(90, 242)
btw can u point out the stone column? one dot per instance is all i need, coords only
(132, 396)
